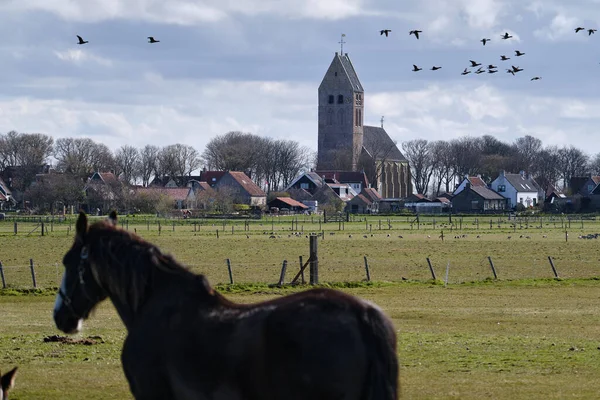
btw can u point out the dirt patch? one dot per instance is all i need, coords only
(89, 341)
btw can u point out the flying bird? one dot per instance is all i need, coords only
(386, 31)
(484, 41)
(506, 36)
(415, 32)
(480, 71)
(578, 29)
(474, 63)
(510, 71)
(491, 66)
(504, 58)
(434, 68)
(518, 53)
(516, 69)
(152, 40)
(492, 71)
(536, 78)
(465, 72)
(81, 41)
(416, 69)
(591, 31)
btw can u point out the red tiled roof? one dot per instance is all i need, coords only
(107, 176)
(364, 199)
(174, 193)
(291, 202)
(345, 176)
(476, 181)
(596, 179)
(249, 186)
(372, 193)
(442, 200)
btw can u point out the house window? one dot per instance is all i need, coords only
(341, 99)
(521, 200)
(304, 186)
(501, 188)
(534, 202)
(474, 204)
(330, 99)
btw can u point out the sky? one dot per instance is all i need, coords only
(255, 66)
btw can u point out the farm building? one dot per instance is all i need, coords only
(478, 199)
(287, 203)
(242, 188)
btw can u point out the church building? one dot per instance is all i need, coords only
(345, 144)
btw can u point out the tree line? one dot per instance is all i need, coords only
(436, 166)
(271, 163)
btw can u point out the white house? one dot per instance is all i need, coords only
(517, 188)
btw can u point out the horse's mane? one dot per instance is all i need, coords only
(127, 264)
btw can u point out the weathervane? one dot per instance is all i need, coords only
(341, 42)
(382, 121)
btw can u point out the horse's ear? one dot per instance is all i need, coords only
(81, 226)
(112, 217)
(8, 380)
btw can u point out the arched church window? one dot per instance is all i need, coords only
(341, 117)
(341, 99)
(330, 117)
(330, 99)
(359, 117)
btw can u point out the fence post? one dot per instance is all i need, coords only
(2, 276)
(302, 275)
(42, 228)
(229, 270)
(32, 272)
(493, 269)
(431, 269)
(553, 268)
(566, 236)
(447, 270)
(282, 276)
(367, 270)
(15, 228)
(314, 260)
(217, 233)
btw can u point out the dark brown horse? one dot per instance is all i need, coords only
(186, 341)
(7, 381)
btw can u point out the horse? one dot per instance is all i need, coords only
(187, 341)
(7, 381)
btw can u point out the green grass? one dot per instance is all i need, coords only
(506, 340)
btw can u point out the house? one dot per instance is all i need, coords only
(359, 204)
(243, 189)
(343, 190)
(473, 180)
(588, 187)
(287, 203)
(373, 195)
(355, 179)
(211, 177)
(181, 198)
(308, 181)
(517, 188)
(6, 199)
(102, 191)
(478, 199)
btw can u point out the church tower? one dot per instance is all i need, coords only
(341, 110)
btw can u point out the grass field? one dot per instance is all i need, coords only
(523, 336)
(508, 340)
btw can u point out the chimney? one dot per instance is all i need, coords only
(522, 173)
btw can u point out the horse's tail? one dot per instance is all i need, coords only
(382, 374)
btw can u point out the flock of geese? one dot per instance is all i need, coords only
(491, 69)
(150, 40)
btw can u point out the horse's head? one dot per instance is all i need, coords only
(6, 383)
(79, 291)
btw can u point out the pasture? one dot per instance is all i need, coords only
(520, 337)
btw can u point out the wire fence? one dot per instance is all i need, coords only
(49, 275)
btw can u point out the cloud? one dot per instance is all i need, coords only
(77, 56)
(186, 12)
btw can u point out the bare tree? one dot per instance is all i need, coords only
(234, 151)
(594, 165)
(573, 162)
(466, 152)
(527, 153)
(177, 161)
(82, 157)
(548, 167)
(443, 165)
(148, 165)
(28, 151)
(418, 152)
(127, 160)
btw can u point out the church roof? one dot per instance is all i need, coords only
(349, 68)
(380, 145)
